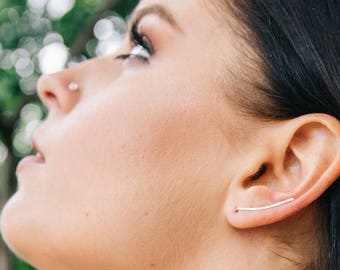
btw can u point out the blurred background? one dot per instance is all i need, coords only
(40, 37)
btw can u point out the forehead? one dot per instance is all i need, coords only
(183, 11)
(204, 19)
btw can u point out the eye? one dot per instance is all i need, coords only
(141, 46)
(140, 52)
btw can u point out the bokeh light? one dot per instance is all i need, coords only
(30, 112)
(109, 33)
(3, 153)
(30, 119)
(75, 60)
(52, 37)
(103, 29)
(24, 67)
(28, 85)
(58, 8)
(5, 59)
(37, 4)
(53, 58)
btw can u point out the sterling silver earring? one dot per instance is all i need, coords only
(237, 209)
(73, 86)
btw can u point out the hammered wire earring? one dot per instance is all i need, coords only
(73, 87)
(237, 209)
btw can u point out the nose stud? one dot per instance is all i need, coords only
(73, 86)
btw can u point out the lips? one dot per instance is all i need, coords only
(38, 153)
(33, 160)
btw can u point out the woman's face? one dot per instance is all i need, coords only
(138, 161)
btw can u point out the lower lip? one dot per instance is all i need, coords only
(29, 161)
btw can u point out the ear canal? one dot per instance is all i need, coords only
(259, 173)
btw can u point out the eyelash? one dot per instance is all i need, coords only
(138, 39)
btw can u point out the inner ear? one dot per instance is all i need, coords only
(291, 164)
(269, 176)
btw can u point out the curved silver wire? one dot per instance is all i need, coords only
(263, 207)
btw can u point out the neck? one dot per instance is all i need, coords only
(244, 250)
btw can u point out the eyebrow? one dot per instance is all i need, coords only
(161, 11)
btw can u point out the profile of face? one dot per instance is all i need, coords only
(138, 162)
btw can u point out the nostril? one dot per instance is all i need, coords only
(49, 95)
(44, 86)
(54, 92)
(49, 99)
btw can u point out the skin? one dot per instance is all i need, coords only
(143, 165)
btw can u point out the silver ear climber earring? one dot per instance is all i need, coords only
(237, 209)
(73, 86)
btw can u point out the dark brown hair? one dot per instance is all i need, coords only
(298, 42)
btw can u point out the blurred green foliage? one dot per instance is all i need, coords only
(19, 265)
(26, 28)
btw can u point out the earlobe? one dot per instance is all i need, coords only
(304, 161)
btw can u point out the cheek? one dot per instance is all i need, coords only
(146, 170)
(141, 149)
(133, 143)
(124, 166)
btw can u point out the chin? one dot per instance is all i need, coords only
(15, 230)
(27, 234)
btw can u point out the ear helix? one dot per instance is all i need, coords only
(237, 209)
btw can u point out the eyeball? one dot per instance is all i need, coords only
(140, 51)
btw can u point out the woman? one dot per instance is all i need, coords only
(210, 141)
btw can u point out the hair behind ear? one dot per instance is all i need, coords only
(330, 210)
(298, 43)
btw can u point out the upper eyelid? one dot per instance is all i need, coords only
(133, 26)
(134, 33)
(135, 23)
(133, 30)
(128, 37)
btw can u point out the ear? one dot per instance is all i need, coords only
(296, 162)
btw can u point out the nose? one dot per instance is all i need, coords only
(55, 91)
